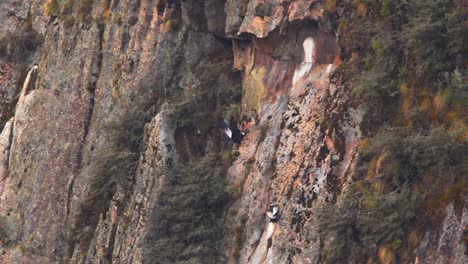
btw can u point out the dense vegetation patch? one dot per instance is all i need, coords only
(404, 184)
(406, 63)
(113, 167)
(203, 104)
(187, 226)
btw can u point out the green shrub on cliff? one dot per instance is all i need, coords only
(406, 69)
(425, 37)
(187, 227)
(201, 105)
(232, 112)
(404, 173)
(417, 151)
(355, 228)
(113, 165)
(186, 222)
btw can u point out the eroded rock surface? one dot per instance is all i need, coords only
(300, 151)
(445, 243)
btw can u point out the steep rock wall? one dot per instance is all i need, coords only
(301, 147)
(300, 150)
(89, 68)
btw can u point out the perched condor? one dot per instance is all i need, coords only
(273, 212)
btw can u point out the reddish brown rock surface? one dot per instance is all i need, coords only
(300, 150)
(298, 155)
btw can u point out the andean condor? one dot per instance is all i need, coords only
(232, 131)
(273, 212)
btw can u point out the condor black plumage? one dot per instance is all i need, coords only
(232, 131)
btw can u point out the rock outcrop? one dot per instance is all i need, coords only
(98, 58)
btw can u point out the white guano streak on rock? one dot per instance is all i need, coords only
(27, 81)
(12, 125)
(261, 251)
(308, 62)
(18, 118)
(24, 91)
(329, 68)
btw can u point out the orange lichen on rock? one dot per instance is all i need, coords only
(386, 255)
(262, 18)
(105, 11)
(305, 10)
(254, 89)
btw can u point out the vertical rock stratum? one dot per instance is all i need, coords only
(354, 114)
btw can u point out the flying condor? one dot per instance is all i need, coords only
(232, 131)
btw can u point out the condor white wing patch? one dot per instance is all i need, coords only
(228, 132)
(275, 210)
(270, 215)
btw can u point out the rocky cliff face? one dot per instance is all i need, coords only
(97, 142)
